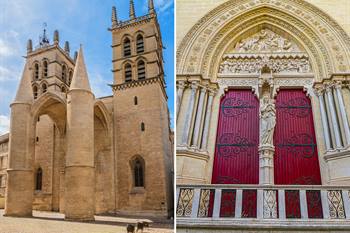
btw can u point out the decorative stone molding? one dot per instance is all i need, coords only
(136, 83)
(324, 39)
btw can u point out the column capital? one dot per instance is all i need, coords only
(194, 85)
(180, 84)
(319, 91)
(338, 84)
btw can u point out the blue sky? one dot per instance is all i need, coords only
(79, 22)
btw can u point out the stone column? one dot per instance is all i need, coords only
(343, 113)
(197, 124)
(205, 136)
(334, 120)
(179, 94)
(324, 122)
(20, 177)
(79, 196)
(266, 153)
(189, 111)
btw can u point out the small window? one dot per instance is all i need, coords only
(138, 173)
(36, 71)
(39, 179)
(141, 71)
(38, 119)
(128, 73)
(37, 139)
(44, 87)
(127, 47)
(64, 71)
(142, 126)
(135, 100)
(63, 89)
(139, 44)
(45, 69)
(70, 76)
(35, 92)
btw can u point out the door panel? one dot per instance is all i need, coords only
(296, 157)
(236, 159)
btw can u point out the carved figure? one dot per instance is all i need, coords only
(267, 120)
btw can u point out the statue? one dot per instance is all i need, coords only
(267, 121)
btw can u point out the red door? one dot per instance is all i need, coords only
(236, 159)
(296, 157)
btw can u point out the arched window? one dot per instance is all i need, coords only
(44, 87)
(141, 70)
(45, 69)
(36, 71)
(128, 72)
(64, 71)
(142, 126)
(138, 173)
(35, 92)
(139, 44)
(135, 100)
(127, 47)
(39, 179)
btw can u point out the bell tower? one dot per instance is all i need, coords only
(50, 66)
(140, 114)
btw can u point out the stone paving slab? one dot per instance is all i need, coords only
(47, 222)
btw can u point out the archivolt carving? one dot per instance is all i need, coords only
(318, 27)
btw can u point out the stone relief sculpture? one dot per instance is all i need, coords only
(266, 41)
(267, 120)
(265, 49)
(254, 65)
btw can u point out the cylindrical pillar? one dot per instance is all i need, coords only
(179, 94)
(324, 122)
(266, 176)
(334, 120)
(187, 124)
(207, 121)
(80, 171)
(20, 179)
(197, 124)
(343, 113)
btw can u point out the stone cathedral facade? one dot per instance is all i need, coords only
(263, 110)
(80, 155)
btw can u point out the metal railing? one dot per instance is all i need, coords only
(283, 202)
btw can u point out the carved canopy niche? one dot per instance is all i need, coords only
(264, 49)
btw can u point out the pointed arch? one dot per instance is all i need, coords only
(138, 167)
(39, 179)
(45, 67)
(103, 114)
(139, 43)
(64, 73)
(126, 47)
(127, 72)
(141, 70)
(36, 70)
(323, 39)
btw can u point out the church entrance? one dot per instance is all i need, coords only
(236, 158)
(296, 157)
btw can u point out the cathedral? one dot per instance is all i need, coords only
(80, 155)
(263, 109)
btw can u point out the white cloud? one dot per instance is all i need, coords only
(5, 49)
(7, 74)
(162, 5)
(4, 124)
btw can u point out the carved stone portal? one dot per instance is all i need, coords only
(265, 49)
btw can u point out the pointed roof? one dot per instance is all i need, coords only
(150, 6)
(114, 16)
(24, 92)
(80, 78)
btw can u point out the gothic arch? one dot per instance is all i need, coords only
(54, 106)
(324, 40)
(102, 113)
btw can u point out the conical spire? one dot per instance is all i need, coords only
(24, 91)
(132, 10)
(80, 78)
(150, 7)
(114, 16)
(56, 37)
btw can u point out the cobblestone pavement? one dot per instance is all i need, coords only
(51, 222)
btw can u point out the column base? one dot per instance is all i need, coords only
(19, 193)
(266, 153)
(79, 193)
